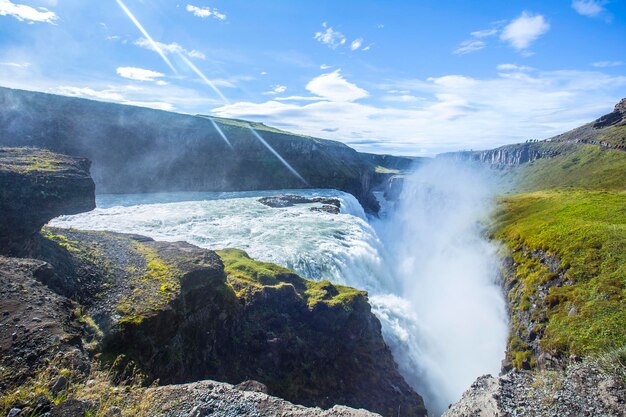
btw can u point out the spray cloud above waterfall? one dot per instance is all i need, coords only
(448, 323)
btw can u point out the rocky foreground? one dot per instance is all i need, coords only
(97, 323)
(584, 389)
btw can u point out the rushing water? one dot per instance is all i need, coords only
(429, 273)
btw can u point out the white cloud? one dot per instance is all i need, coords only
(356, 44)
(277, 89)
(449, 113)
(205, 12)
(520, 33)
(330, 37)
(21, 65)
(513, 67)
(334, 87)
(325, 67)
(484, 33)
(110, 94)
(590, 8)
(607, 64)
(469, 46)
(139, 74)
(169, 48)
(25, 13)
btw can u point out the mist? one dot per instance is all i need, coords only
(447, 324)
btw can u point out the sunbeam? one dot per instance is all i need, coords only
(277, 155)
(204, 78)
(147, 35)
(220, 132)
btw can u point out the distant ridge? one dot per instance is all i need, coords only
(137, 150)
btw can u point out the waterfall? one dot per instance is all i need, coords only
(429, 272)
(447, 324)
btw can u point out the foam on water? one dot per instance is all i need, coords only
(342, 248)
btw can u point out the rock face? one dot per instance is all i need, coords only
(209, 398)
(583, 390)
(511, 155)
(329, 205)
(36, 186)
(35, 323)
(136, 150)
(608, 131)
(183, 314)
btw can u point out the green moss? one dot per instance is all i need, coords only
(63, 241)
(153, 287)
(246, 274)
(26, 160)
(586, 230)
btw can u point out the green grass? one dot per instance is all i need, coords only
(615, 135)
(586, 230)
(587, 167)
(247, 275)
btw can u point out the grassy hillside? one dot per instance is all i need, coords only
(587, 167)
(565, 230)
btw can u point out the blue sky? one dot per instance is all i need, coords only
(404, 77)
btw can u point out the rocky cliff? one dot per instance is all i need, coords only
(136, 150)
(608, 132)
(35, 186)
(97, 316)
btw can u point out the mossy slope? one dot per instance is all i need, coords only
(565, 231)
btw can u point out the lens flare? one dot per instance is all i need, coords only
(220, 132)
(204, 78)
(146, 34)
(277, 155)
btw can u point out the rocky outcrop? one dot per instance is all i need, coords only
(616, 118)
(137, 150)
(183, 314)
(209, 398)
(329, 205)
(585, 389)
(512, 155)
(608, 132)
(36, 186)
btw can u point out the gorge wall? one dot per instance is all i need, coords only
(136, 149)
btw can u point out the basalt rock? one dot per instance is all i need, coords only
(584, 389)
(179, 314)
(290, 200)
(36, 186)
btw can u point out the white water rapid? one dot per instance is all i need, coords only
(430, 274)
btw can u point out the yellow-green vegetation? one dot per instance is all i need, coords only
(246, 124)
(153, 287)
(585, 314)
(615, 135)
(588, 167)
(246, 274)
(97, 388)
(384, 170)
(28, 160)
(63, 241)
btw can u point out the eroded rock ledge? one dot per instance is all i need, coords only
(36, 186)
